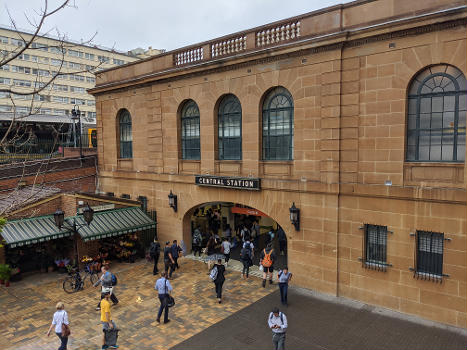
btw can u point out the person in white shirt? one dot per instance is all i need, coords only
(277, 322)
(226, 250)
(60, 317)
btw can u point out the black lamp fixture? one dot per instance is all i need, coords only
(76, 115)
(59, 218)
(173, 201)
(295, 216)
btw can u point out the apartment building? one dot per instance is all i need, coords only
(47, 56)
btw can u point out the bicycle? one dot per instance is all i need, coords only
(74, 282)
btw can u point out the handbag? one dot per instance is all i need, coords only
(169, 299)
(65, 328)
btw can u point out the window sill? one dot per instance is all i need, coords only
(276, 168)
(445, 174)
(125, 163)
(428, 276)
(374, 266)
(189, 166)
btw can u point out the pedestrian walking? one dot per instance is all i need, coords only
(277, 322)
(107, 281)
(62, 325)
(246, 255)
(197, 241)
(164, 288)
(282, 240)
(217, 275)
(175, 250)
(267, 259)
(154, 253)
(284, 277)
(109, 328)
(226, 246)
(169, 263)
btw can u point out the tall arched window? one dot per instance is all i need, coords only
(190, 131)
(278, 125)
(436, 115)
(126, 137)
(230, 128)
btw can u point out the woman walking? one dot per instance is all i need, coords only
(220, 279)
(61, 323)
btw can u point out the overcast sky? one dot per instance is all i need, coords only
(127, 24)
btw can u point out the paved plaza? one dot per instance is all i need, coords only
(28, 306)
(199, 322)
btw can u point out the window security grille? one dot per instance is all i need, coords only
(429, 257)
(375, 247)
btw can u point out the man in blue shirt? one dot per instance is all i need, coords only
(164, 288)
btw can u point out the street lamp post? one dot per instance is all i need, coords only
(59, 218)
(76, 114)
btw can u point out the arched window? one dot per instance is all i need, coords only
(436, 115)
(230, 128)
(190, 131)
(126, 138)
(278, 125)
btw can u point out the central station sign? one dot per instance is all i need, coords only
(241, 183)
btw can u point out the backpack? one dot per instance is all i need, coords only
(154, 249)
(267, 261)
(245, 253)
(114, 280)
(280, 315)
(213, 273)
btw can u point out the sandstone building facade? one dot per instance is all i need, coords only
(355, 114)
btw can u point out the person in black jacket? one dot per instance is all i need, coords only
(154, 253)
(168, 260)
(220, 279)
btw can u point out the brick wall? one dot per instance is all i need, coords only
(350, 108)
(69, 174)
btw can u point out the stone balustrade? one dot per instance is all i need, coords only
(277, 34)
(330, 21)
(228, 46)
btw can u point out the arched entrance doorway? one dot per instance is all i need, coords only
(228, 220)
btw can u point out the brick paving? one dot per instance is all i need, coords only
(28, 306)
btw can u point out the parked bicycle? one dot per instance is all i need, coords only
(75, 282)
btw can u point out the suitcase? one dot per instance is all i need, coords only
(111, 336)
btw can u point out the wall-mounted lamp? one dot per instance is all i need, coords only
(173, 201)
(295, 216)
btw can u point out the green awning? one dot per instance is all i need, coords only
(113, 223)
(32, 230)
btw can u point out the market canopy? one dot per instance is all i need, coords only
(32, 230)
(113, 223)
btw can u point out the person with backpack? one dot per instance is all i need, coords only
(169, 262)
(277, 322)
(283, 277)
(197, 241)
(107, 281)
(217, 276)
(267, 259)
(246, 258)
(154, 253)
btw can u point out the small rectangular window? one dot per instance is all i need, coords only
(375, 246)
(430, 253)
